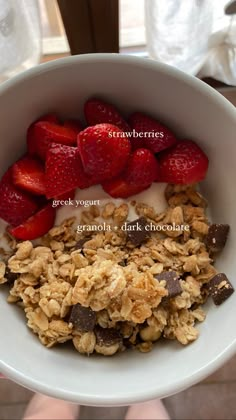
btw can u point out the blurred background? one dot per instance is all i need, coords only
(198, 37)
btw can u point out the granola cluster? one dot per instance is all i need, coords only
(102, 291)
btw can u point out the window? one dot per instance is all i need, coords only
(132, 27)
(53, 32)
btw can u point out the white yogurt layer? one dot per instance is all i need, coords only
(153, 196)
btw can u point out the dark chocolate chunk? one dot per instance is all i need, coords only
(11, 277)
(123, 263)
(136, 231)
(82, 318)
(220, 288)
(107, 336)
(172, 282)
(194, 306)
(127, 343)
(80, 243)
(216, 237)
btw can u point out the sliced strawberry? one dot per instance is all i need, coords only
(70, 195)
(28, 174)
(119, 188)
(103, 151)
(43, 133)
(184, 163)
(37, 225)
(66, 196)
(156, 136)
(52, 117)
(75, 125)
(98, 112)
(31, 144)
(64, 171)
(142, 168)
(15, 205)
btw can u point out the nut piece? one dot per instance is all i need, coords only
(85, 343)
(3, 278)
(150, 333)
(82, 318)
(107, 350)
(217, 237)
(24, 250)
(220, 288)
(121, 213)
(108, 210)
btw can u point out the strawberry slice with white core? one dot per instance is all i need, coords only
(28, 174)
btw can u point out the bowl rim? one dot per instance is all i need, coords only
(149, 63)
(180, 384)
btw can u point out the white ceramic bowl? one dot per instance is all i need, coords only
(193, 110)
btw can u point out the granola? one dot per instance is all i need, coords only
(104, 291)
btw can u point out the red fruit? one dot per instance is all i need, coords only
(103, 151)
(37, 225)
(185, 163)
(52, 117)
(66, 196)
(64, 171)
(42, 134)
(15, 205)
(98, 112)
(28, 174)
(142, 168)
(157, 137)
(70, 195)
(119, 188)
(75, 125)
(31, 145)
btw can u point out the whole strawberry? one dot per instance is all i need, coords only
(184, 163)
(152, 135)
(97, 112)
(104, 151)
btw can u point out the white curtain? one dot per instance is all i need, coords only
(20, 36)
(194, 35)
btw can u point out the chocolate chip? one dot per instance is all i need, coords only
(194, 306)
(216, 237)
(107, 336)
(137, 232)
(220, 288)
(11, 277)
(123, 263)
(172, 282)
(127, 343)
(82, 318)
